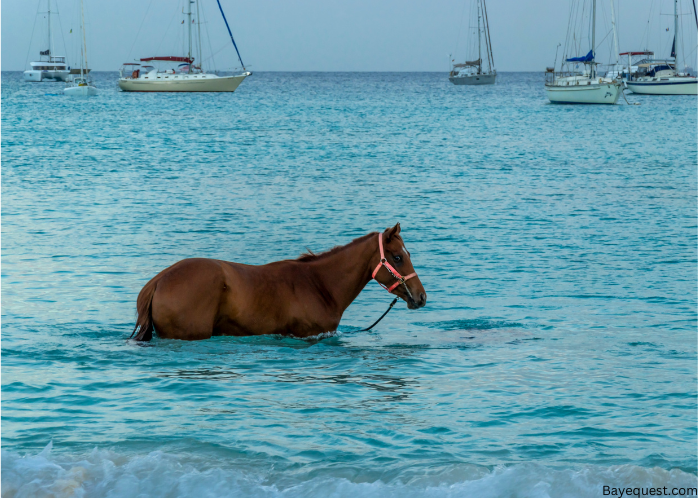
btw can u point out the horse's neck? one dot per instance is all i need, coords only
(345, 273)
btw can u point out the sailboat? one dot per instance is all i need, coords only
(474, 72)
(191, 78)
(48, 67)
(81, 85)
(567, 87)
(663, 77)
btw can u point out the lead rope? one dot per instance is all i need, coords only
(393, 302)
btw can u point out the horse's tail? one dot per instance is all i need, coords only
(144, 321)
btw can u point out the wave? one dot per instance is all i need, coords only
(106, 473)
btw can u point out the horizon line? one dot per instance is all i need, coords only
(306, 71)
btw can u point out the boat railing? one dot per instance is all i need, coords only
(551, 76)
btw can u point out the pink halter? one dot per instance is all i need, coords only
(401, 280)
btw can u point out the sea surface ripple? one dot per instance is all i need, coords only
(557, 244)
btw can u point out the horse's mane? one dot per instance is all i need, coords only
(309, 256)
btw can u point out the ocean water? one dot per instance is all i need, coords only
(557, 353)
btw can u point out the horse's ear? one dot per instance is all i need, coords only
(392, 231)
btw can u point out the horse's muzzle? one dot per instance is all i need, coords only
(417, 304)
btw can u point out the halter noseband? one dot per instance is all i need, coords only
(401, 280)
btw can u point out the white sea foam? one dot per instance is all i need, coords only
(104, 473)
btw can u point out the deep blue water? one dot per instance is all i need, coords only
(557, 244)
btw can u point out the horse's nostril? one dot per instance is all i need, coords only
(422, 298)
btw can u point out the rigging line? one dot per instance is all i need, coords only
(473, 13)
(32, 36)
(647, 29)
(472, 50)
(486, 30)
(695, 10)
(211, 50)
(214, 53)
(199, 37)
(569, 29)
(139, 31)
(682, 38)
(170, 25)
(459, 31)
(82, 26)
(576, 27)
(604, 38)
(610, 31)
(488, 34)
(63, 38)
(575, 21)
(231, 34)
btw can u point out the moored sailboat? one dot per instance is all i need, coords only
(49, 66)
(82, 84)
(585, 87)
(664, 77)
(477, 72)
(190, 78)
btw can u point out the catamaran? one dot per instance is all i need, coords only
(82, 85)
(48, 67)
(662, 77)
(189, 77)
(585, 87)
(474, 72)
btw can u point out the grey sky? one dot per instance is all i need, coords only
(331, 35)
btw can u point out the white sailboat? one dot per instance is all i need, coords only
(82, 85)
(195, 79)
(48, 67)
(474, 72)
(663, 77)
(586, 87)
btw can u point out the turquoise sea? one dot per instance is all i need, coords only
(557, 354)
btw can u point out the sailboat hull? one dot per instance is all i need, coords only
(208, 83)
(606, 93)
(674, 86)
(34, 75)
(80, 91)
(483, 79)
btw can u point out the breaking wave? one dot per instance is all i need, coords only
(105, 473)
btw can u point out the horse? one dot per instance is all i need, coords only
(198, 298)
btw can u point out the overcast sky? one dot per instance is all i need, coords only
(331, 35)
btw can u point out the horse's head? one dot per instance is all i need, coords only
(395, 272)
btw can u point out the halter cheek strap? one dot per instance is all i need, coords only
(401, 280)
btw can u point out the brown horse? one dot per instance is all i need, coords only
(198, 298)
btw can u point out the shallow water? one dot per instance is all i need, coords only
(558, 246)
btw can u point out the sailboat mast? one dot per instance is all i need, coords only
(593, 42)
(675, 35)
(488, 36)
(50, 39)
(617, 47)
(478, 20)
(189, 36)
(82, 16)
(199, 37)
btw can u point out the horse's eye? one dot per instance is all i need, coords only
(397, 258)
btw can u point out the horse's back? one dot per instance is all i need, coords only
(196, 299)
